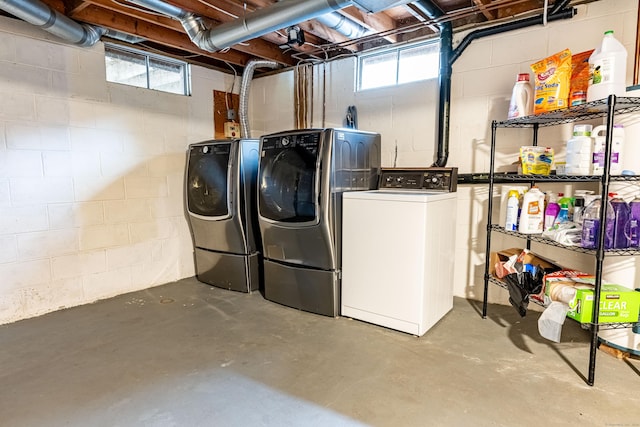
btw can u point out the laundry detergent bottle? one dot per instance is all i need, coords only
(551, 211)
(521, 98)
(591, 224)
(532, 215)
(621, 222)
(634, 223)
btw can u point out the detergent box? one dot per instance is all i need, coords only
(617, 303)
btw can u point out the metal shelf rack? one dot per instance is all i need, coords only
(607, 108)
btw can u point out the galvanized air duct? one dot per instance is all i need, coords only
(341, 24)
(247, 76)
(252, 25)
(52, 21)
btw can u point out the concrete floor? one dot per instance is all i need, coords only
(187, 354)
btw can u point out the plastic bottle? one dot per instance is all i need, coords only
(532, 216)
(563, 215)
(591, 225)
(567, 202)
(551, 211)
(621, 222)
(521, 98)
(607, 69)
(513, 207)
(579, 151)
(634, 223)
(578, 208)
(617, 142)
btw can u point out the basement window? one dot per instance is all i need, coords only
(393, 67)
(142, 69)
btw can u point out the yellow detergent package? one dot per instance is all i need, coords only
(552, 82)
(536, 160)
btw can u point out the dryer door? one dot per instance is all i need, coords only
(208, 180)
(287, 178)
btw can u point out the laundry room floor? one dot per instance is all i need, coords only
(187, 354)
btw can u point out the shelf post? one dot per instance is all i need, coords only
(494, 127)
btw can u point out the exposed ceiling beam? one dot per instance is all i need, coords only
(486, 12)
(256, 47)
(109, 19)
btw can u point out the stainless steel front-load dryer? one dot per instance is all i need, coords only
(221, 207)
(301, 178)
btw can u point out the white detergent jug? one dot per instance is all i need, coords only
(607, 69)
(532, 215)
(521, 98)
(599, 134)
(579, 157)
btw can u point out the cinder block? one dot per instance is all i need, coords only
(101, 140)
(8, 249)
(7, 47)
(82, 114)
(42, 54)
(162, 228)
(122, 211)
(76, 265)
(31, 191)
(122, 164)
(20, 163)
(23, 219)
(103, 236)
(16, 105)
(52, 110)
(48, 243)
(95, 189)
(132, 255)
(17, 275)
(141, 186)
(71, 164)
(107, 284)
(70, 215)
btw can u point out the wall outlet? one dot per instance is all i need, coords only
(231, 130)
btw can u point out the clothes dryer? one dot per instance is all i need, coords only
(301, 177)
(221, 200)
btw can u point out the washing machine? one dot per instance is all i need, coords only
(399, 250)
(302, 176)
(221, 198)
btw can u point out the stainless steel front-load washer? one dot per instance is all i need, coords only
(221, 200)
(301, 177)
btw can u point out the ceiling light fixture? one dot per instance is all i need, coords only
(295, 36)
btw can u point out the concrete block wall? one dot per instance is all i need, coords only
(482, 80)
(91, 175)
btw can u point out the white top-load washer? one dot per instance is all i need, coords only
(398, 257)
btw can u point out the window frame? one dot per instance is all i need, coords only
(148, 58)
(397, 51)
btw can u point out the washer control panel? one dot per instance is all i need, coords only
(425, 179)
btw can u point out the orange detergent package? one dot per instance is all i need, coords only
(579, 78)
(552, 82)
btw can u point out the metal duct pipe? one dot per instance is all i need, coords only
(247, 76)
(341, 24)
(444, 80)
(255, 24)
(52, 21)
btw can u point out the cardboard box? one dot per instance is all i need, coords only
(530, 258)
(502, 256)
(617, 303)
